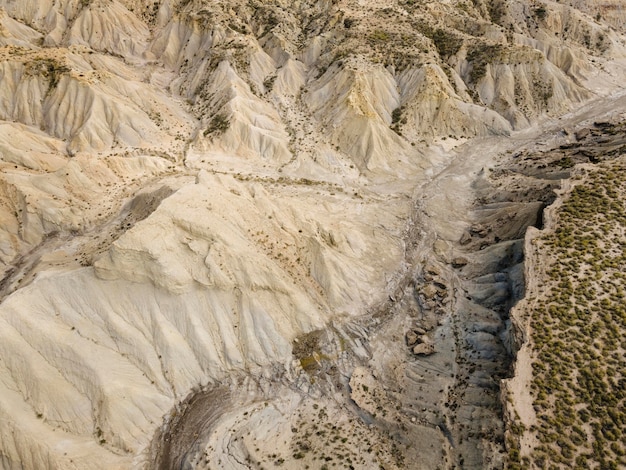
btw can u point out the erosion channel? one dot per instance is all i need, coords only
(415, 383)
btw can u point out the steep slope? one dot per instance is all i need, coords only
(231, 202)
(357, 105)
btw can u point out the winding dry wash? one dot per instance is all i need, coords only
(245, 234)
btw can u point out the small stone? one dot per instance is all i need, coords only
(465, 238)
(419, 331)
(459, 262)
(432, 269)
(479, 230)
(425, 339)
(440, 247)
(430, 291)
(423, 349)
(582, 133)
(411, 337)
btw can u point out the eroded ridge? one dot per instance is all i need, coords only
(264, 202)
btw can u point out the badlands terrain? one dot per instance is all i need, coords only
(257, 234)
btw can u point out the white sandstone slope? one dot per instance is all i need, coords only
(108, 27)
(190, 191)
(432, 105)
(235, 274)
(355, 107)
(247, 126)
(60, 92)
(14, 33)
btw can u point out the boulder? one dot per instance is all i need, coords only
(432, 269)
(424, 349)
(459, 262)
(479, 230)
(411, 337)
(425, 339)
(465, 238)
(429, 291)
(582, 133)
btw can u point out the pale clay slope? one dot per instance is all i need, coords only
(224, 274)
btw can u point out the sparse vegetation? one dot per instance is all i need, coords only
(218, 125)
(541, 12)
(320, 439)
(269, 83)
(379, 36)
(397, 120)
(497, 10)
(51, 69)
(482, 54)
(579, 371)
(446, 42)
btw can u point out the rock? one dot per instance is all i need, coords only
(425, 340)
(465, 238)
(424, 349)
(432, 269)
(411, 337)
(490, 295)
(479, 230)
(501, 277)
(430, 291)
(602, 125)
(363, 386)
(440, 247)
(417, 336)
(582, 133)
(485, 344)
(459, 262)
(413, 312)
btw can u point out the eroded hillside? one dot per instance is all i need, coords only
(243, 206)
